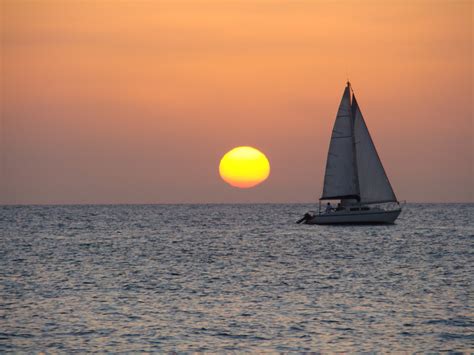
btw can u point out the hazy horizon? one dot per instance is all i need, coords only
(210, 203)
(136, 102)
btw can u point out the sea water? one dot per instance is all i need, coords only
(233, 278)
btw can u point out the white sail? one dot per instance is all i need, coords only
(374, 185)
(340, 179)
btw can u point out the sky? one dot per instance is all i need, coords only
(136, 101)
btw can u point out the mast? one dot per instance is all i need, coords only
(354, 147)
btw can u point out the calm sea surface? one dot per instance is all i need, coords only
(233, 278)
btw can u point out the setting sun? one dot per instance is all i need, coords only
(244, 167)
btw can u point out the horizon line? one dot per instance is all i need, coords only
(198, 203)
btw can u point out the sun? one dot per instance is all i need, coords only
(244, 167)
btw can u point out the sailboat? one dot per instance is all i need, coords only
(354, 174)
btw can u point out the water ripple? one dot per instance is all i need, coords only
(224, 278)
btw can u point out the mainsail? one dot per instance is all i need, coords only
(340, 179)
(353, 167)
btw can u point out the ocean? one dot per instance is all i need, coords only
(224, 278)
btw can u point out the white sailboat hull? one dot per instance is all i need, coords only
(375, 216)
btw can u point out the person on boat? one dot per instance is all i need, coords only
(329, 208)
(339, 207)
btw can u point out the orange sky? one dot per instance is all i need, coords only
(136, 101)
